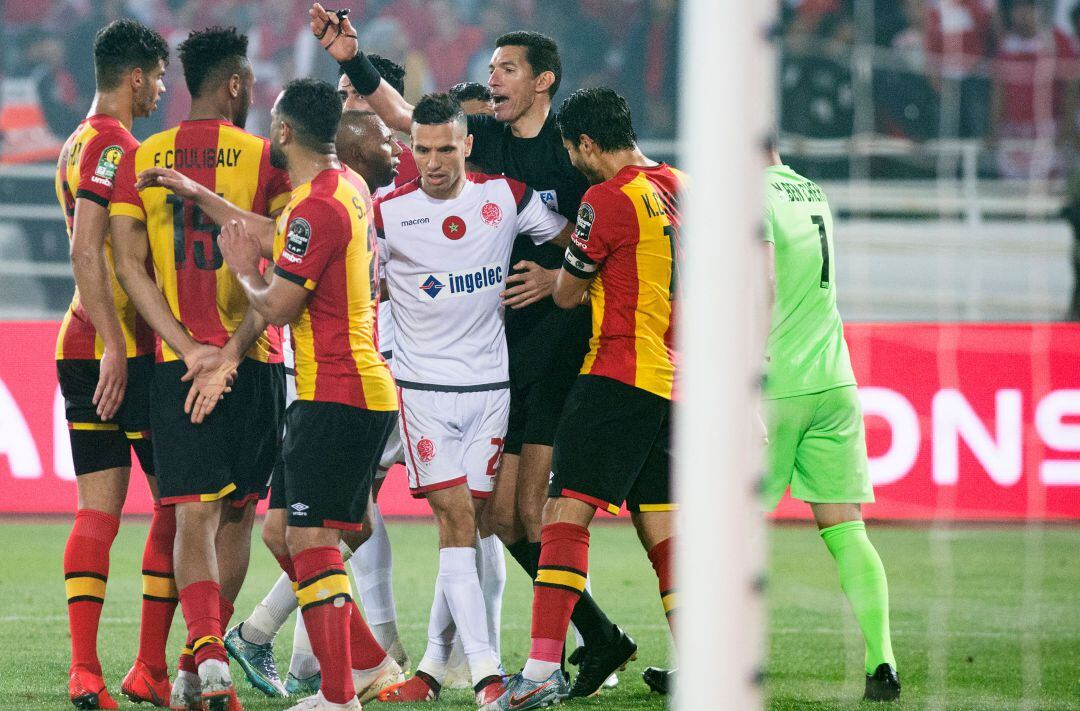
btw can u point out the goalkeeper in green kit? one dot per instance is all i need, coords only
(815, 426)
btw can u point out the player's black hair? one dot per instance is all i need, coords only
(541, 53)
(470, 91)
(435, 109)
(391, 71)
(601, 114)
(216, 52)
(122, 46)
(312, 108)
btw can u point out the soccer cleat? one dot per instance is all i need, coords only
(596, 664)
(882, 685)
(87, 690)
(257, 661)
(370, 682)
(611, 682)
(458, 675)
(662, 681)
(140, 685)
(521, 693)
(420, 687)
(218, 692)
(295, 686)
(318, 702)
(490, 689)
(186, 693)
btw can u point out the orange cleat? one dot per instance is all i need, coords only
(87, 690)
(140, 685)
(421, 687)
(490, 692)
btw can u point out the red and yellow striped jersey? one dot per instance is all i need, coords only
(201, 291)
(325, 243)
(87, 169)
(627, 236)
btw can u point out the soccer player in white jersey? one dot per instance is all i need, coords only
(446, 239)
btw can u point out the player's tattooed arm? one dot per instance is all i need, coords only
(213, 205)
(93, 279)
(338, 37)
(131, 247)
(277, 302)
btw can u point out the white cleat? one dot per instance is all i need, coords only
(319, 703)
(186, 692)
(458, 675)
(369, 682)
(611, 682)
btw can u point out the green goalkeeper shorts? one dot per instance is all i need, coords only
(817, 446)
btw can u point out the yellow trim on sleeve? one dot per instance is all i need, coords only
(126, 209)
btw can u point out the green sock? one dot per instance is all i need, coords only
(862, 578)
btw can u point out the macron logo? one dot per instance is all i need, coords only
(418, 221)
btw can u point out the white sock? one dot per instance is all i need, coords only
(491, 566)
(373, 568)
(271, 613)
(441, 633)
(461, 586)
(303, 663)
(536, 670)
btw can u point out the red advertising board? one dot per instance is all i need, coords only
(964, 422)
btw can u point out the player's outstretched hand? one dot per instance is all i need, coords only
(112, 383)
(335, 32)
(240, 250)
(170, 179)
(211, 374)
(528, 286)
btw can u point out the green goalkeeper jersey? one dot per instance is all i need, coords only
(806, 352)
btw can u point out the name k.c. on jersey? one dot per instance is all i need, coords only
(627, 235)
(87, 170)
(324, 242)
(446, 264)
(201, 291)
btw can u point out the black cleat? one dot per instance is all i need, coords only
(662, 681)
(596, 664)
(882, 685)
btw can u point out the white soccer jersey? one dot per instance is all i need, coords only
(446, 263)
(386, 313)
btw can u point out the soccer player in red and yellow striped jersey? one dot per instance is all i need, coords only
(103, 350)
(613, 443)
(325, 286)
(214, 465)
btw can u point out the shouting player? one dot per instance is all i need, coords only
(447, 239)
(214, 465)
(104, 357)
(613, 443)
(324, 286)
(546, 345)
(367, 146)
(817, 445)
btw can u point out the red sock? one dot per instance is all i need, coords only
(662, 558)
(86, 570)
(286, 564)
(225, 612)
(201, 604)
(560, 578)
(366, 652)
(325, 602)
(159, 590)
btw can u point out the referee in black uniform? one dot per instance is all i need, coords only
(546, 345)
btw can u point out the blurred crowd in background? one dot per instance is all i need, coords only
(629, 45)
(1003, 71)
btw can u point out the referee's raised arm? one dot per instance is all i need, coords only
(338, 37)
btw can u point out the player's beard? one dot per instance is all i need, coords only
(277, 156)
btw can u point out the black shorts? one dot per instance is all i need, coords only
(541, 376)
(277, 485)
(232, 453)
(331, 452)
(96, 445)
(614, 445)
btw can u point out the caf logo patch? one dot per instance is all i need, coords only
(425, 450)
(491, 214)
(109, 162)
(296, 241)
(453, 227)
(585, 217)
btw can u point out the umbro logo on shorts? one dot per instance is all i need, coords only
(300, 509)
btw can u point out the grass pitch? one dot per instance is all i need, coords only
(983, 618)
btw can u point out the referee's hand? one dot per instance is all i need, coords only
(530, 284)
(337, 36)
